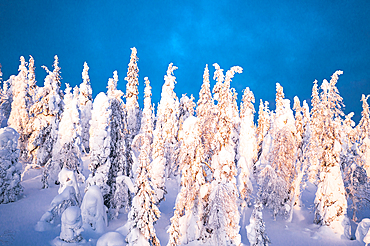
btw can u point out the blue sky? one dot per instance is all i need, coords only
(290, 42)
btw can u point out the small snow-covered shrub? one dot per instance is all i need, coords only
(10, 169)
(94, 212)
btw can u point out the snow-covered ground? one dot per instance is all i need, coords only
(18, 219)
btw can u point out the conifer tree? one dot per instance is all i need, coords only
(247, 149)
(221, 219)
(67, 149)
(363, 133)
(46, 112)
(32, 79)
(330, 200)
(165, 145)
(144, 212)
(185, 223)
(256, 229)
(6, 99)
(19, 116)
(118, 161)
(100, 144)
(186, 108)
(206, 118)
(132, 105)
(263, 125)
(85, 106)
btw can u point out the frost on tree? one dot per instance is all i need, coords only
(247, 148)
(221, 219)
(85, 106)
(132, 107)
(10, 169)
(19, 116)
(186, 222)
(256, 229)
(330, 200)
(165, 145)
(46, 113)
(67, 149)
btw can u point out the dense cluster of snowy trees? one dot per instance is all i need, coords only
(223, 160)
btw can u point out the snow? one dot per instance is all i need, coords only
(19, 218)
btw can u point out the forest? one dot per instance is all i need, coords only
(222, 159)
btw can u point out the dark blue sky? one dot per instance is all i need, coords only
(290, 42)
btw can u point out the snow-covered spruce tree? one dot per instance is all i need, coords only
(144, 212)
(6, 98)
(32, 87)
(264, 123)
(100, 144)
(46, 113)
(147, 124)
(119, 165)
(247, 148)
(19, 115)
(301, 163)
(186, 221)
(206, 119)
(10, 169)
(85, 106)
(67, 149)
(256, 229)
(165, 144)
(356, 181)
(221, 216)
(132, 108)
(330, 200)
(363, 133)
(314, 146)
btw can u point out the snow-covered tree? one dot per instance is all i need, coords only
(165, 145)
(46, 112)
(118, 158)
(363, 133)
(19, 116)
(263, 127)
(100, 139)
(85, 100)
(67, 149)
(132, 106)
(256, 229)
(206, 117)
(186, 221)
(6, 98)
(247, 148)
(330, 200)
(144, 212)
(221, 219)
(10, 169)
(93, 211)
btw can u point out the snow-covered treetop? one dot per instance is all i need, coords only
(147, 119)
(31, 72)
(279, 99)
(132, 80)
(85, 74)
(112, 88)
(205, 101)
(247, 106)
(363, 126)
